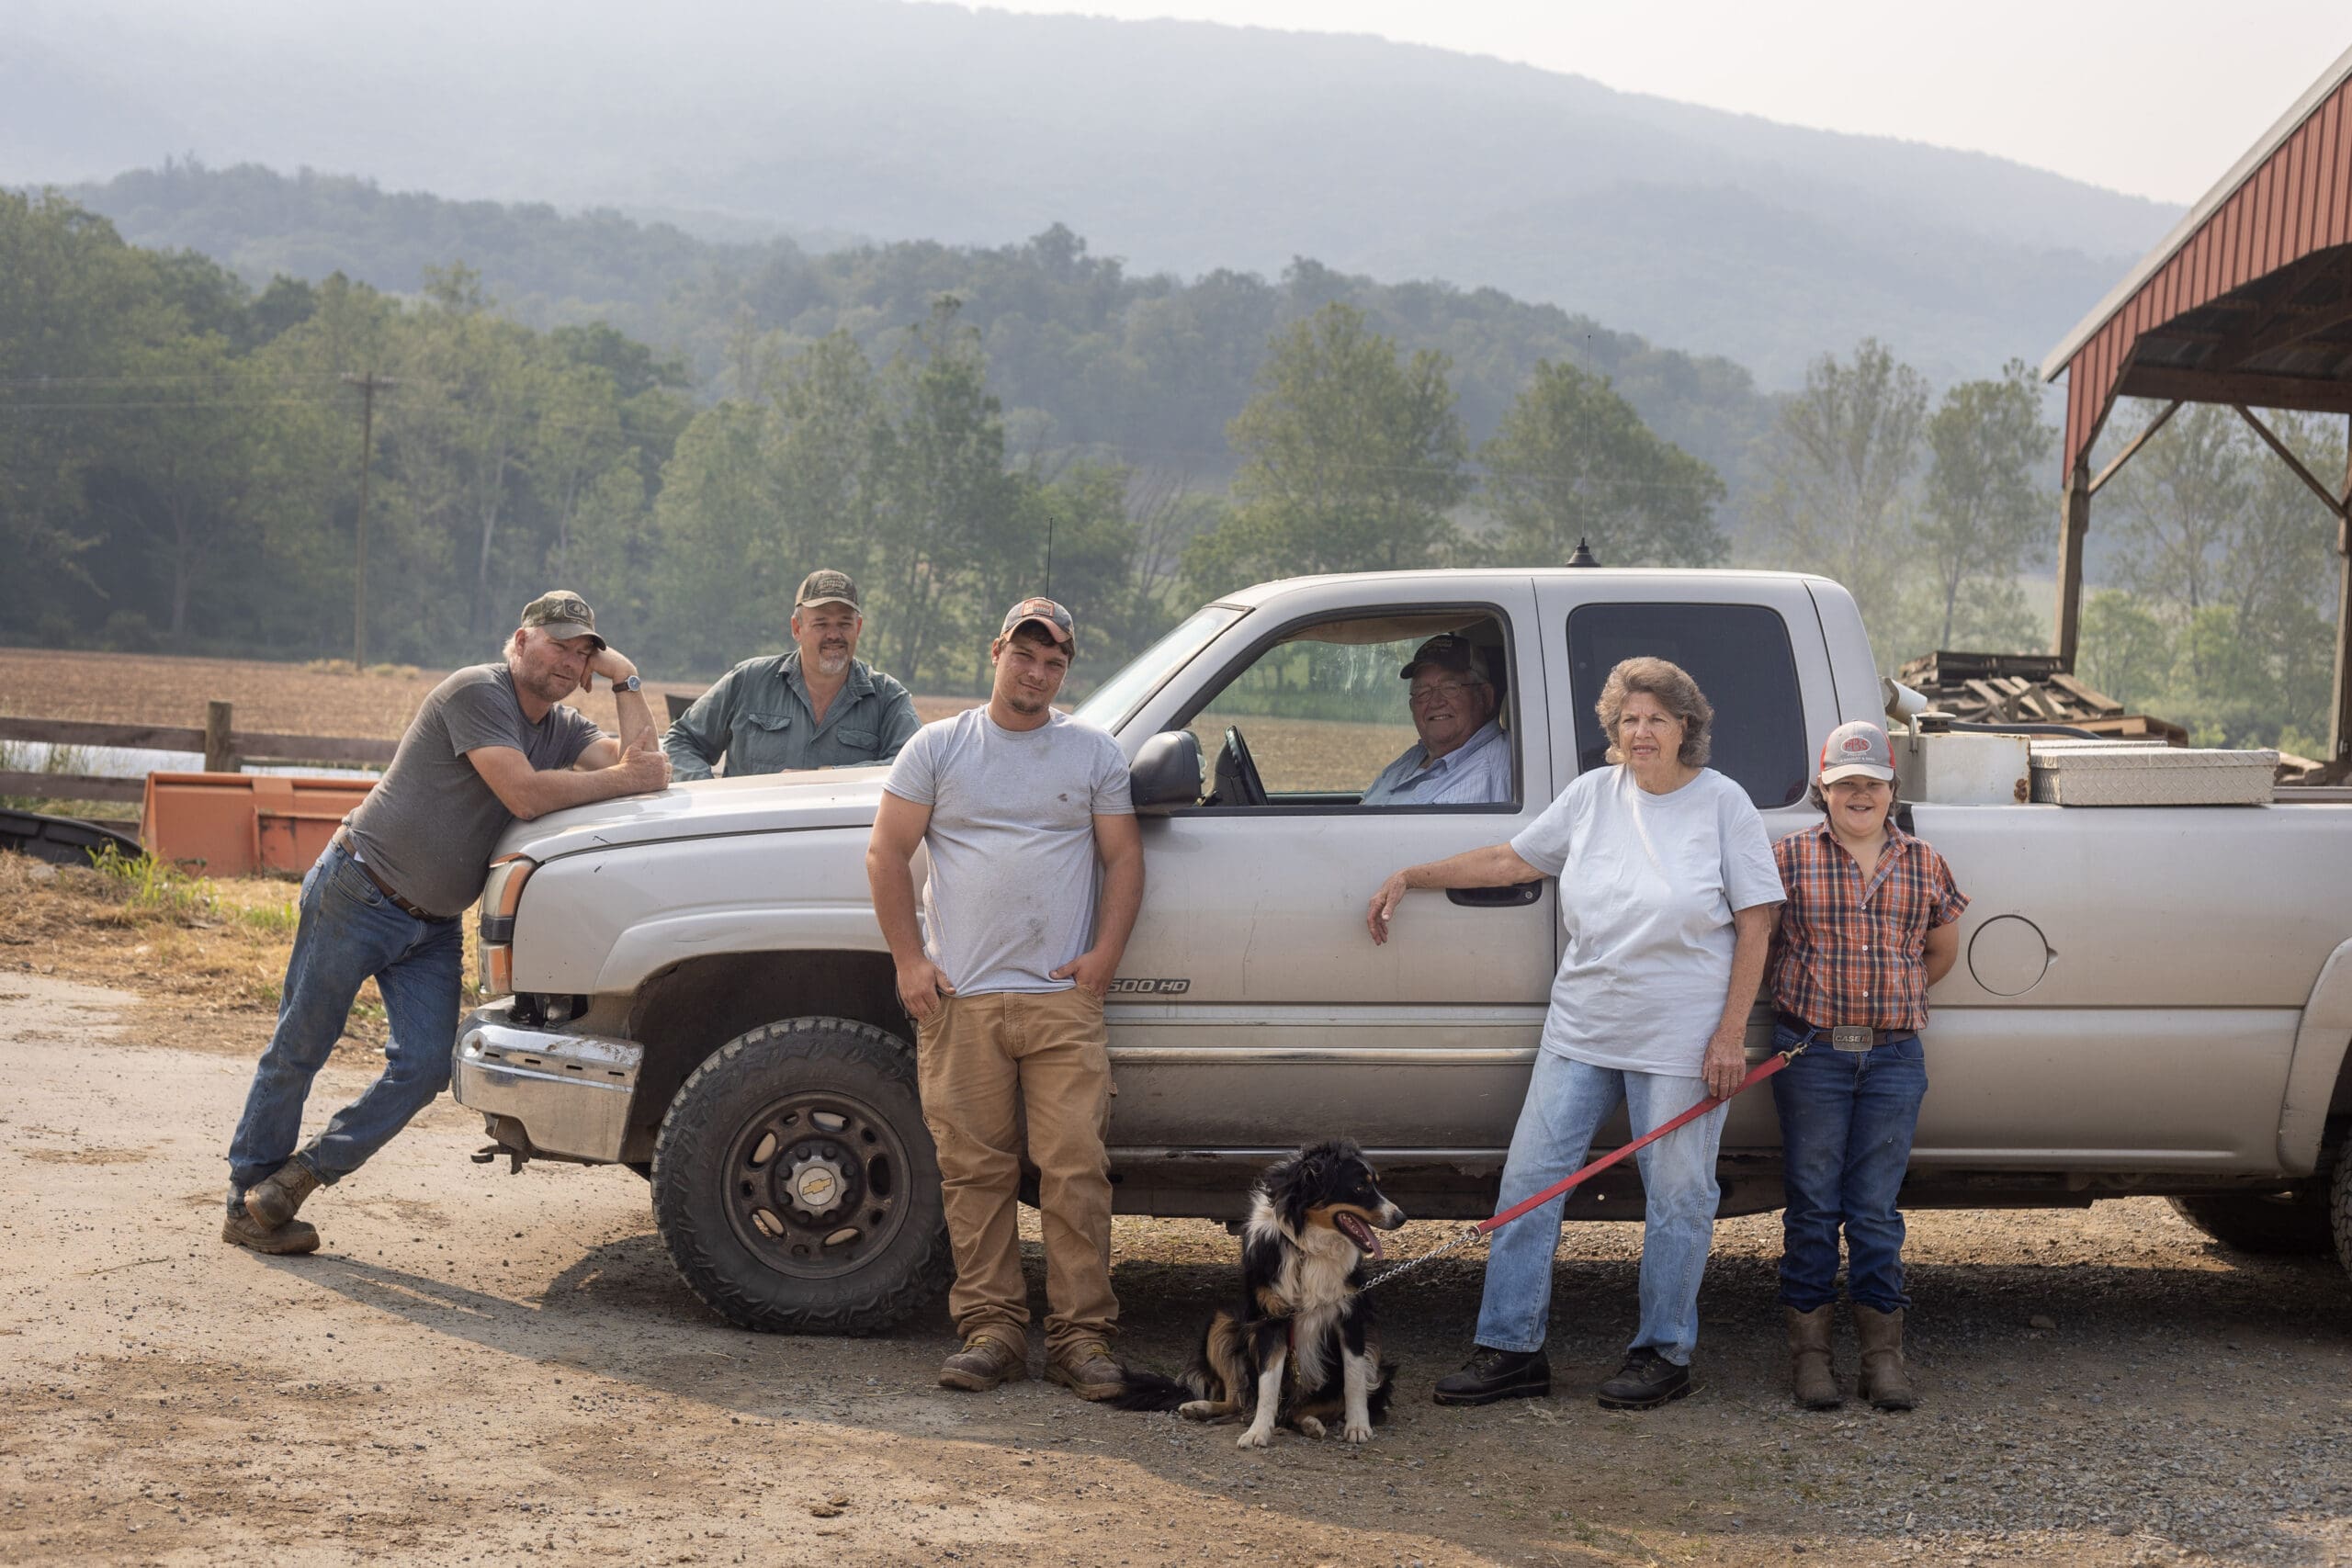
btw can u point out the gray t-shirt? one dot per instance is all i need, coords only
(1648, 883)
(428, 826)
(1014, 873)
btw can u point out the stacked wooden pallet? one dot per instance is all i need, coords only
(2026, 688)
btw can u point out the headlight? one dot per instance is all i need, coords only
(501, 895)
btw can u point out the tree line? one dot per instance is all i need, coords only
(181, 455)
(2212, 597)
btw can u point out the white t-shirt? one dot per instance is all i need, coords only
(1648, 883)
(1014, 873)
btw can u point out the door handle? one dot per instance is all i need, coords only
(1518, 894)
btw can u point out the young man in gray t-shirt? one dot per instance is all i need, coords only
(491, 743)
(1036, 874)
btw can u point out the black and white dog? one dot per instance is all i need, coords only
(1300, 1351)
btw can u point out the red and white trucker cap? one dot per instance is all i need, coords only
(1857, 751)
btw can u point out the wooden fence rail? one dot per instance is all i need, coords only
(225, 749)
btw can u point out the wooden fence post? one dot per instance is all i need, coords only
(220, 750)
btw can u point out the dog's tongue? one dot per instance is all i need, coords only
(1362, 1235)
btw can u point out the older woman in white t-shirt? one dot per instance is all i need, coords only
(1668, 897)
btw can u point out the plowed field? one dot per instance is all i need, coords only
(285, 699)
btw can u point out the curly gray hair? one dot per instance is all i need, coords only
(1676, 693)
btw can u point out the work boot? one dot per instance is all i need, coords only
(1646, 1381)
(273, 1200)
(1489, 1375)
(1088, 1372)
(985, 1362)
(294, 1235)
(1811, 1379)
(1884, 1382)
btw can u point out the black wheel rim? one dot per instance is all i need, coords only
(818, 1185)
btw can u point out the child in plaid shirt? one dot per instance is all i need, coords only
(1870, 922)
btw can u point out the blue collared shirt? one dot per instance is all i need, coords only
(1475, 772)
(758, 717)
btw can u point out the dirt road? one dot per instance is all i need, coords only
(481, 1368)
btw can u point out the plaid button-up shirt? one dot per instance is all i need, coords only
(1850, 951)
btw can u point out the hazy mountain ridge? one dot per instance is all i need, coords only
(1180, 146)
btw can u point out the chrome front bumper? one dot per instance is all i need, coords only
(570, 1093)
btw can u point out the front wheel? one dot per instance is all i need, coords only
(795, 1183)
(2340, 1194)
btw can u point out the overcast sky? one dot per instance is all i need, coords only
(2155, 99)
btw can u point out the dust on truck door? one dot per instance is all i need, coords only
(1254, 1003)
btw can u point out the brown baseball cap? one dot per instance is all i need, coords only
(561, 613)
(1046, 614)
(824, 586)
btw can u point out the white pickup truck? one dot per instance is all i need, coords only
(2150, 999)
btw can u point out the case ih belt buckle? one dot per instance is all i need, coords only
(1852, 1037)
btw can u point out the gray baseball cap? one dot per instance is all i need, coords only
(561, 613)
(1857, 751)
(824, 586)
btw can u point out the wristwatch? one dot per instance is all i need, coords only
(631, 684)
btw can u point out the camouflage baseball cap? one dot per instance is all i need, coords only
(1046, 614)
(561, 613)
(827, 587)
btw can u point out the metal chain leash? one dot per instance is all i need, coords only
(1469, 1234)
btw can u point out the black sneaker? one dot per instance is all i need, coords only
(1646, 1380)
(1489, 1375)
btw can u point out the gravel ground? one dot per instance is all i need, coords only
(481, 1368)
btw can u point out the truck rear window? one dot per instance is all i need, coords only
(1740, 656)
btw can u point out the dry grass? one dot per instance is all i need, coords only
(209, 956)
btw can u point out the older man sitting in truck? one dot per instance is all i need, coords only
(1460, 756)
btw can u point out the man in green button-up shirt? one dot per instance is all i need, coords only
(817, 707)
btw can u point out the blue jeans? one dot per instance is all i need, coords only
(1846, 1120)
(1567, 1101)
(350, 932)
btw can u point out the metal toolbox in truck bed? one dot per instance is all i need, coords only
(2083, 772)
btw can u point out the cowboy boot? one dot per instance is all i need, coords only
(1811, 1379)
(1884, 1382)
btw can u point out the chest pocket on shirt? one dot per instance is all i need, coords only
(854, 745)
(762, 744)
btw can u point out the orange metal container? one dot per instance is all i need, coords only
(236, 824)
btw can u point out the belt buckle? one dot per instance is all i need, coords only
(1852, 1037)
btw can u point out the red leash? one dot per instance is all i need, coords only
(1756, 1075)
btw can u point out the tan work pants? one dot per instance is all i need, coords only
(980, 1061)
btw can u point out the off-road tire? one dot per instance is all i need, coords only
(2293, 1223)
(703, 1179)
(2340, 1194)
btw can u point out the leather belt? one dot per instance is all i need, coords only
(1844, 1036)
(342, 841)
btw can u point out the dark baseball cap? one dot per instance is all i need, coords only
(561, 613)
(1857, 751)
(1046, 614)
(1447, 651)
(827, 587)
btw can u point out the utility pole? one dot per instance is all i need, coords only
(369, 386)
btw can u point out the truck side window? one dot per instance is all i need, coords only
(1740, 656)
(1324, 710)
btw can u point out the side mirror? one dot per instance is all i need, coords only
(1167, 772)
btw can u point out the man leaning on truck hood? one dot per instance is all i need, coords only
(817, 707)
(491, 743)
(1004, 979)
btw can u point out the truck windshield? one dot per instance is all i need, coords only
(1117, 698)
